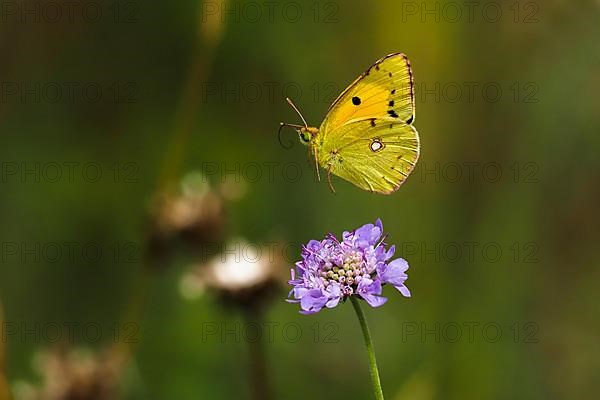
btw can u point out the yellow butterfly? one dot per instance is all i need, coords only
(367, 136)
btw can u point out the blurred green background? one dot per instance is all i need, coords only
(503, 268)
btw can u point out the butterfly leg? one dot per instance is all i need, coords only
(317, 164)
(329, 179)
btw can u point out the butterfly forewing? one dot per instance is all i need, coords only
(384, 90)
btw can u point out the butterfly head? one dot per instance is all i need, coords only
(307, 134)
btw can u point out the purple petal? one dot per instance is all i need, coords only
(299, 292)
(375, 301)
(390, 252)
(394, 272)
(399, 263)
(314, 245)
(379, 225)
(367, 235)
(313, 300)
(404, 290)
(334, 294)
(370, 291)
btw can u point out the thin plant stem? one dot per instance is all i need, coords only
(377, 391)
(209, 37)
(259, 382)
(4, 388)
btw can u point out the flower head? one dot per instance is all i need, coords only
(332, 270)
(77, 373)
(241, 275)
(192, 217)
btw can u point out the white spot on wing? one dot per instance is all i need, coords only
(376, 145)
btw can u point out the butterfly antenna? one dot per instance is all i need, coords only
(296, 109)
(281, 126)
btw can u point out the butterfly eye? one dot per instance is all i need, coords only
(305, 137)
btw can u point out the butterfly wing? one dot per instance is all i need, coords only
(384, 90)
(376, 154)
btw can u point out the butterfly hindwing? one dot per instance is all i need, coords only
(376, 154)
(384, 90)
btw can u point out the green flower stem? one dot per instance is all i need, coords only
(377, 391)
(257, 368)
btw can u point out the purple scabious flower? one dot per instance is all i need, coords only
(332, 270)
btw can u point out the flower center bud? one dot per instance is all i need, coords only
(348, 274)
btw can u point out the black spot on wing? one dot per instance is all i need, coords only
(356, 101)
(410, 120)
(391, 103)
(393, 114)
(372, 121)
